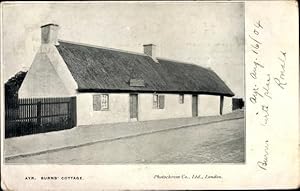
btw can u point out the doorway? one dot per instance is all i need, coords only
(195, 105)
(133, 106)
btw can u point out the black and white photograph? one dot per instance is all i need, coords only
(138, 83)
(125, 81)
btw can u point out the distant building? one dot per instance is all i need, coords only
(237, 103)
(117, 86)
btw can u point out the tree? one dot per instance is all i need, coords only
(13, 85)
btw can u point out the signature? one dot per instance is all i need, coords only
(281, 81)
(264, 163)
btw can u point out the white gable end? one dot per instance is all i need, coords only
(48, 76)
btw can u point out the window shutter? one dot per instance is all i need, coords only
(155, 97)
(161, 101)
(181, 98)
(96, 102)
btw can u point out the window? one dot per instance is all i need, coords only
(181, 98)
(100, 102)
(158, 101)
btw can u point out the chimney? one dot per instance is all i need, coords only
(150, 50)
(49, 34)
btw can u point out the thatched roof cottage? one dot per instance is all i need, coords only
(112, 85)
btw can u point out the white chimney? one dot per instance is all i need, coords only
(49, 34)
(150, 50)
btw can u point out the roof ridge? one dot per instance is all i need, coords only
(129, 52)
(102, 47)
(182, 62)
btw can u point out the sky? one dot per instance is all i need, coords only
(207, 34)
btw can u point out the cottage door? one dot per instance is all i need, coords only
(195, 106)
(133, 106)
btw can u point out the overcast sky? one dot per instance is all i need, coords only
(207, 34)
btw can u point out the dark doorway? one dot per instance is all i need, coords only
(195, 105)
(133, 106)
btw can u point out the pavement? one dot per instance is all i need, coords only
(88, 135)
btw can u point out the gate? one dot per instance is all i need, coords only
(38, 115)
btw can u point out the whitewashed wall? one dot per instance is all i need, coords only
(172, 107)
(227, 106)
(118, 109)
(48, 76)
(208, 105)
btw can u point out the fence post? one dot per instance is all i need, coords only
(39, 112)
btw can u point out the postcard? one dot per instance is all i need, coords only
(149, 95)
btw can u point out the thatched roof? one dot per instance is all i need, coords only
(108, 70)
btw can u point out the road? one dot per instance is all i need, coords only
(221, 142)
